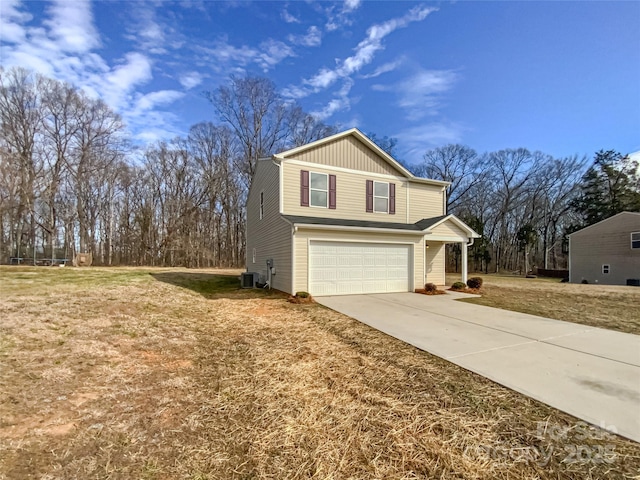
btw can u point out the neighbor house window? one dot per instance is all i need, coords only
(319, 189)
(635, 240)
(381, 197)
(254, 255)
(605, 268)
(261, 205)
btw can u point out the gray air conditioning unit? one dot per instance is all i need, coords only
(248, 279)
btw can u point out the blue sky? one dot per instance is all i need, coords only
(560, 77)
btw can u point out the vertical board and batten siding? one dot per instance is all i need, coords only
(435, 263)
(347, 152)
(271, 236)
(302, 238)
(608, 242)
(351, 196)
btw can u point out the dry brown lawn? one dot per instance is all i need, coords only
(605, 306)
(161, 374)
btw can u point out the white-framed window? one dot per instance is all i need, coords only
(635, 240)
(318, 189)
(605, 268)
(381, 197)
(253, 255)
(261, 205)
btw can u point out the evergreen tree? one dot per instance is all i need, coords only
(609, 186)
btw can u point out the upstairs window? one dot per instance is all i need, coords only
(319, 189)
(381, 197)
(261, 205)
(635, 240)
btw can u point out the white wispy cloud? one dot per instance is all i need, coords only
(416, 140)
(351, 5)
(384, 68)
(11, 20)
(313, 38)
(71, 26)
(190, 80)
(364, 54)
(223, 56)
(150, 101)
(365, 50)
(288, 17)
(152, 34)
(338, 18)
(340, 102)
(65, 46)
(421, 93)
(272, 53)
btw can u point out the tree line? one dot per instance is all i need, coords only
(524, 204)
(72, 181)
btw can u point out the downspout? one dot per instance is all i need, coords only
(444, 200)
(280, 182)
(408, 200)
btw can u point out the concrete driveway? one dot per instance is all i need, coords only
(591, 373)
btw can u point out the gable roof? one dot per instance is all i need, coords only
(606, 220)
(364, 139)
(421, 227)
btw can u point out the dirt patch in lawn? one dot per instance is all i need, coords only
(604, 306)
(183, 376)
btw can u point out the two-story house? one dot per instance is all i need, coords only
(340, 216)
(607, 252)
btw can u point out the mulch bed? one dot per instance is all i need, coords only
(475, 291)
(424, 292)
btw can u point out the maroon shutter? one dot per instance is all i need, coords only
(304, 188)
(392, 198)
(369, 195)
(332, 191)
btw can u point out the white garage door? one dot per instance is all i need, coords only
(341, 268)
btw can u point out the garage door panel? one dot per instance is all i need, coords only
(341, 268)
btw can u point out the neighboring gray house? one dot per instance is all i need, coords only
(340, 216)
(607, 252)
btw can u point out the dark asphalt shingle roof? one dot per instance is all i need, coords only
(341, 222)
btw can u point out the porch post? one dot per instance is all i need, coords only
(464, 261)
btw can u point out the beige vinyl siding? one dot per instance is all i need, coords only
(271, 236)
(425, 201)
(303, 236)
(351, 196)
(606, 243)
(347, 152)
(435, 263)
(449, 229)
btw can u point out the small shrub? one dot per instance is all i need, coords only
(474, 282)
(303, 294)
(430, 287)
(585, 281)
(458, 286)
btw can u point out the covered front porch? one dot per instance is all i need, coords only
(447, 230)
